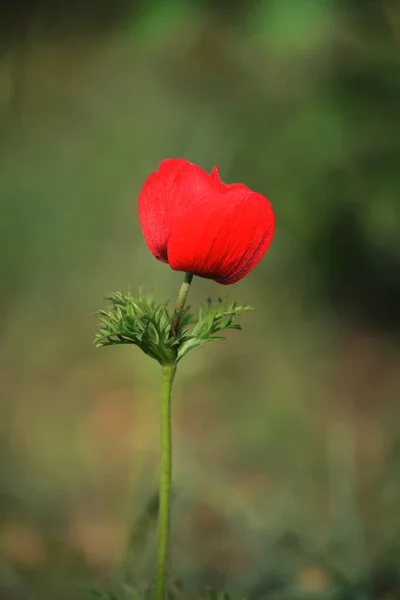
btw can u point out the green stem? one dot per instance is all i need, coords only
(180, 303)
(164, 511)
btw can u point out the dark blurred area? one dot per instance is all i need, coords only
(287, 441)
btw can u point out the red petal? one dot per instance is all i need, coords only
(215, 175)
(221, 236)
(224, 187)
(155, 205)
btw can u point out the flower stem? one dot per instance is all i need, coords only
(164, 511)
(180, 303)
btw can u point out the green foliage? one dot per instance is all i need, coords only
(212, 320)
(137, 321)
(143, 323)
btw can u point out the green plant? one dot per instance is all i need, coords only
(199, 225)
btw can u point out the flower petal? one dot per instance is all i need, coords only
(155, 205)
(225, 187)
(222, 236)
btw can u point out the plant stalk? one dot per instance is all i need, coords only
(164, 512)
(180, 303)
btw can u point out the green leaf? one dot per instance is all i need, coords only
(142, 323)
(137, 321)
(212, 320)
(188, 346)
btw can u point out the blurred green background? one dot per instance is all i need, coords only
(287, 442)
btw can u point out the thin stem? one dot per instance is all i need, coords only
(180, 303)
(164, 512)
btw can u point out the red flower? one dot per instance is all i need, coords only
(196, 223)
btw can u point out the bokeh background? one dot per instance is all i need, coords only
(287, 442)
